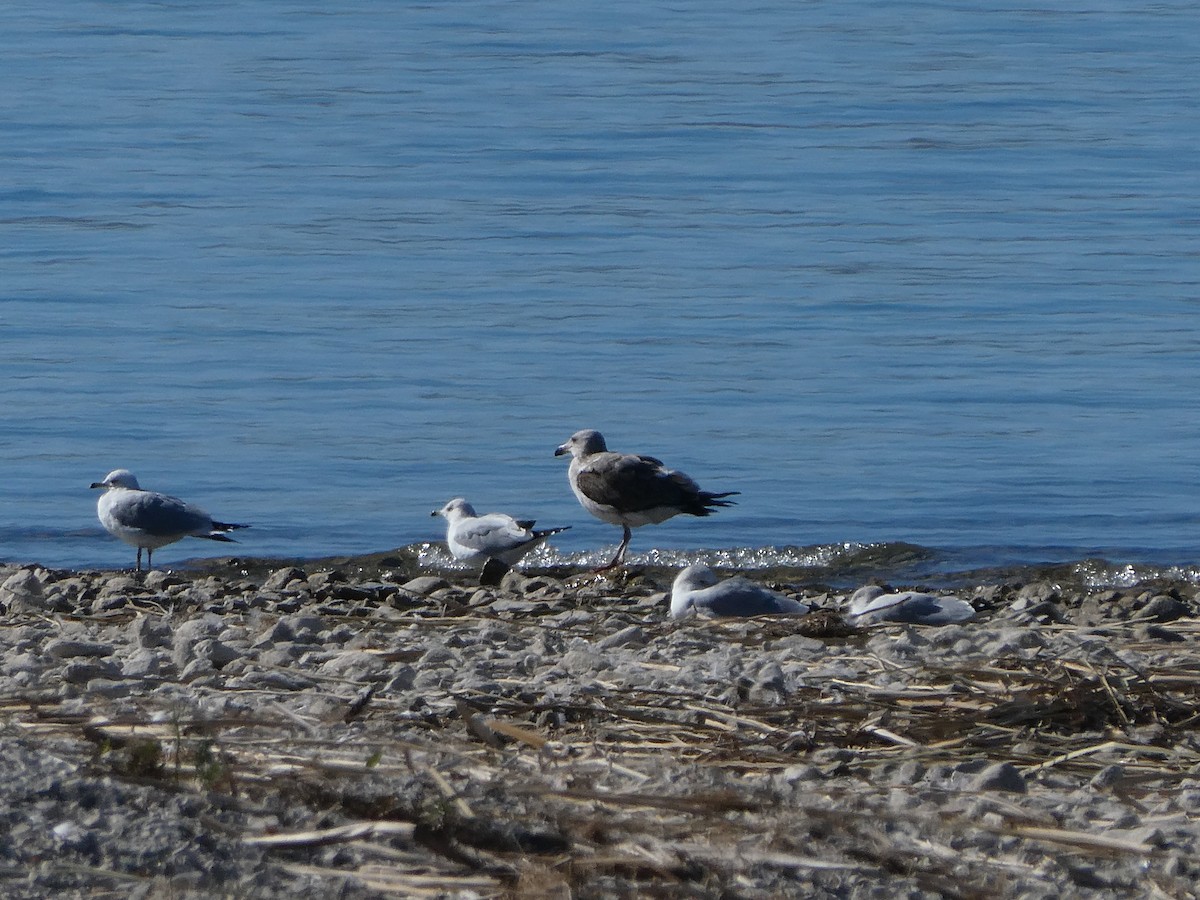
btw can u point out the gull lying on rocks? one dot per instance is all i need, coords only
(697, 589)
(874, 604)
(495, 539)
(630, 490)
(149, 520)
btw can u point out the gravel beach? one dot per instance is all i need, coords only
(374, 727)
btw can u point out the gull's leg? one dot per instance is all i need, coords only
(620, 554)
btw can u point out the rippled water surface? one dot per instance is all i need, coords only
(897, 272)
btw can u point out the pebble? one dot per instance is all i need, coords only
(1163, 608)
(1001, 776)
(65, 648)
(22, 593)
(425, 585)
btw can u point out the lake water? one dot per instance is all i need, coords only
(898, 272)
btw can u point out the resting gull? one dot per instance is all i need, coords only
(495, 539)
(874, 604)
(630, 490)
(147, 519)
(697, 589)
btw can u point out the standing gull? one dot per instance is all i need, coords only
(496, 540)
(630, 490)
(697, 589)
(874, 604)
(147, 519)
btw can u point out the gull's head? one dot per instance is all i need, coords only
(692, 578)
(583, 443)
(456, 509)
(118, 478)
(861, 600)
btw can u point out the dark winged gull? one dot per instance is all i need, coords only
(873, 604)
(149, 520)
(495, 539)
(697, 589)
(630, 490)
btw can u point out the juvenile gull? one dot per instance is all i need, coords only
(495, 539)
(630, 490)
(697, 589)
(147, 519)
(874, 604)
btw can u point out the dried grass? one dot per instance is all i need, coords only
(496, 804)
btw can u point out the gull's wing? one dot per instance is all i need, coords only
(159, 515)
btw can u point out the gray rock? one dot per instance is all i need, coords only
(280, 655)
(401, 678)
(191, 633)
(108, 603)
(908, 772)
(28, 663)
(356, 665)
(438, 656)
(22, 593)
(279, 633)
(630, 636)
(159, 581)
(151, 632)
(1158, 633)
(321, 580)
(424, 585)
(801, 773)
(513, 606)
(65, 648)
(143, 663)
(276, 681)
(216, 652)
(81, 672)
(1107, 777)
(583, 660)
(1002, 776)
(120, 585)
(199, 667)
(1164, 608)
(281, 578)
(1033, 594)
(305, 628)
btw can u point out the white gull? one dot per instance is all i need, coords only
(697, 589)
(497, 540)
(149, 520)
(873, 604)
(631, 490)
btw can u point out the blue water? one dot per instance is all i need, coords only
(917, 272)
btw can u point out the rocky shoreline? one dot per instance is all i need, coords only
(369, 727)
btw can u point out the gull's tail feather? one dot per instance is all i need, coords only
(707, 502)
(219, 529)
